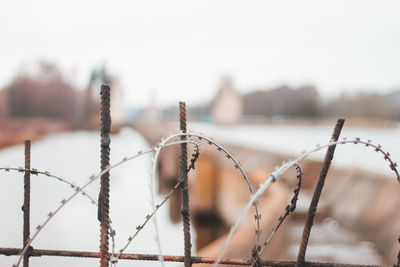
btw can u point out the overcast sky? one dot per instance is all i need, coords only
(179, 50)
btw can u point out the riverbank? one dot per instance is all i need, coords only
(16, 131)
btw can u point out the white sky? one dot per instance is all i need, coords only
(180, 49)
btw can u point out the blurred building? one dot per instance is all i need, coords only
(118, 111)
(227, 106)
(152, 113)
(3, 103)
(92, 96)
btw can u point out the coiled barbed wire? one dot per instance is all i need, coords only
(275, 175)
(263, 187)
(229, 156)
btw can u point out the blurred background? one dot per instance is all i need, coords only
(266, 79)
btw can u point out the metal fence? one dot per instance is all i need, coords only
(107, 258)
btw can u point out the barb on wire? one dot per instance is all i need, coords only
(290, 208)
(275, 175)
(194, 158)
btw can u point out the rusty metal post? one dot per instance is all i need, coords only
(317, 193)
(104, 202)
(27, 198)
(183, 179)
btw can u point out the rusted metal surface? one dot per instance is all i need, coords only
(183, 179)
(317, 193)
(27, 198)
(155, 257)
(104, 196)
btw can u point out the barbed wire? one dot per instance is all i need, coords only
(168, 142)
(65, 181)
(290, 208)
(276, 174)
(48, 174)
(193, 160)
(152, 181)
(78, 190)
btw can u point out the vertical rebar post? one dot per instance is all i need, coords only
(317, 193)
(27, 198)
(183, 179)
(104, 202)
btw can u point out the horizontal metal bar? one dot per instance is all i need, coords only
(154, 257)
